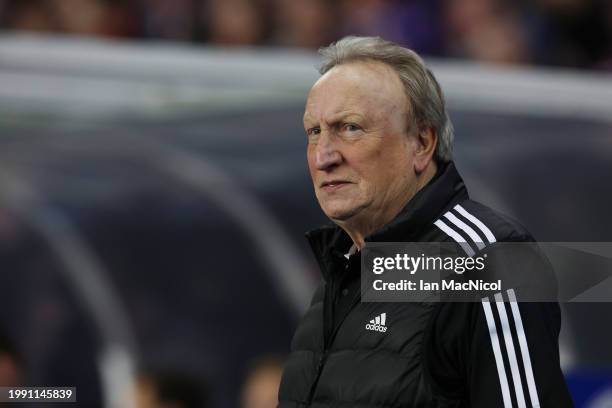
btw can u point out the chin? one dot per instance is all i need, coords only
(340, 214)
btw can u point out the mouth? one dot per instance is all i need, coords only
(333, 185)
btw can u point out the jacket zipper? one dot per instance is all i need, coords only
(320, 365)
(323, 358)
(327, 326)
(328, 338)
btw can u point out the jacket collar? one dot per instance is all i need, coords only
(330, 243)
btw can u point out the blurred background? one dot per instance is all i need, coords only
(154, 190)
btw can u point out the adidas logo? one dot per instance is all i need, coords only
(378, 323)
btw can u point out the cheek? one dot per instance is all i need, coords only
(310, 159)
(381, 167)
(367, 168)
(401, 155)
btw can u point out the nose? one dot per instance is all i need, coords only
(327, 155)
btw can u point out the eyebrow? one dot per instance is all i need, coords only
(345, 115)
(337, 117)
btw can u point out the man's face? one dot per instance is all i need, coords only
(360, 153)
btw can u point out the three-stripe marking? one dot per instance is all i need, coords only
(511, 352)
(452, 229)
(475, 237)
(486, 231)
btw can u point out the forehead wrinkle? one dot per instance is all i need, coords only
(333, 109)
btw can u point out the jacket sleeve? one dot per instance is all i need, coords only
(498, 351)
(513, 358)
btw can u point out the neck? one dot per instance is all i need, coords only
(359, 228)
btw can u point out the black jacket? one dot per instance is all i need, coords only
(480, 355)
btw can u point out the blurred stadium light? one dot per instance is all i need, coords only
(102, 132)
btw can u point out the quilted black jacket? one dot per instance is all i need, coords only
(497, 353)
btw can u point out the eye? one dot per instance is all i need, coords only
(313, 131)
(313, 134)
(350, 127)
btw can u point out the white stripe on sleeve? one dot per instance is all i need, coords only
(466, 228)
(486, 231)
(520, 331)
(514, 367)
(456, 236)
(499, 361)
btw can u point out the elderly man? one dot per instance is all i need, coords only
(380, 158)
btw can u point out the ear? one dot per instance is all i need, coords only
(426, 142)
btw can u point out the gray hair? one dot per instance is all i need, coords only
(421, 87)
